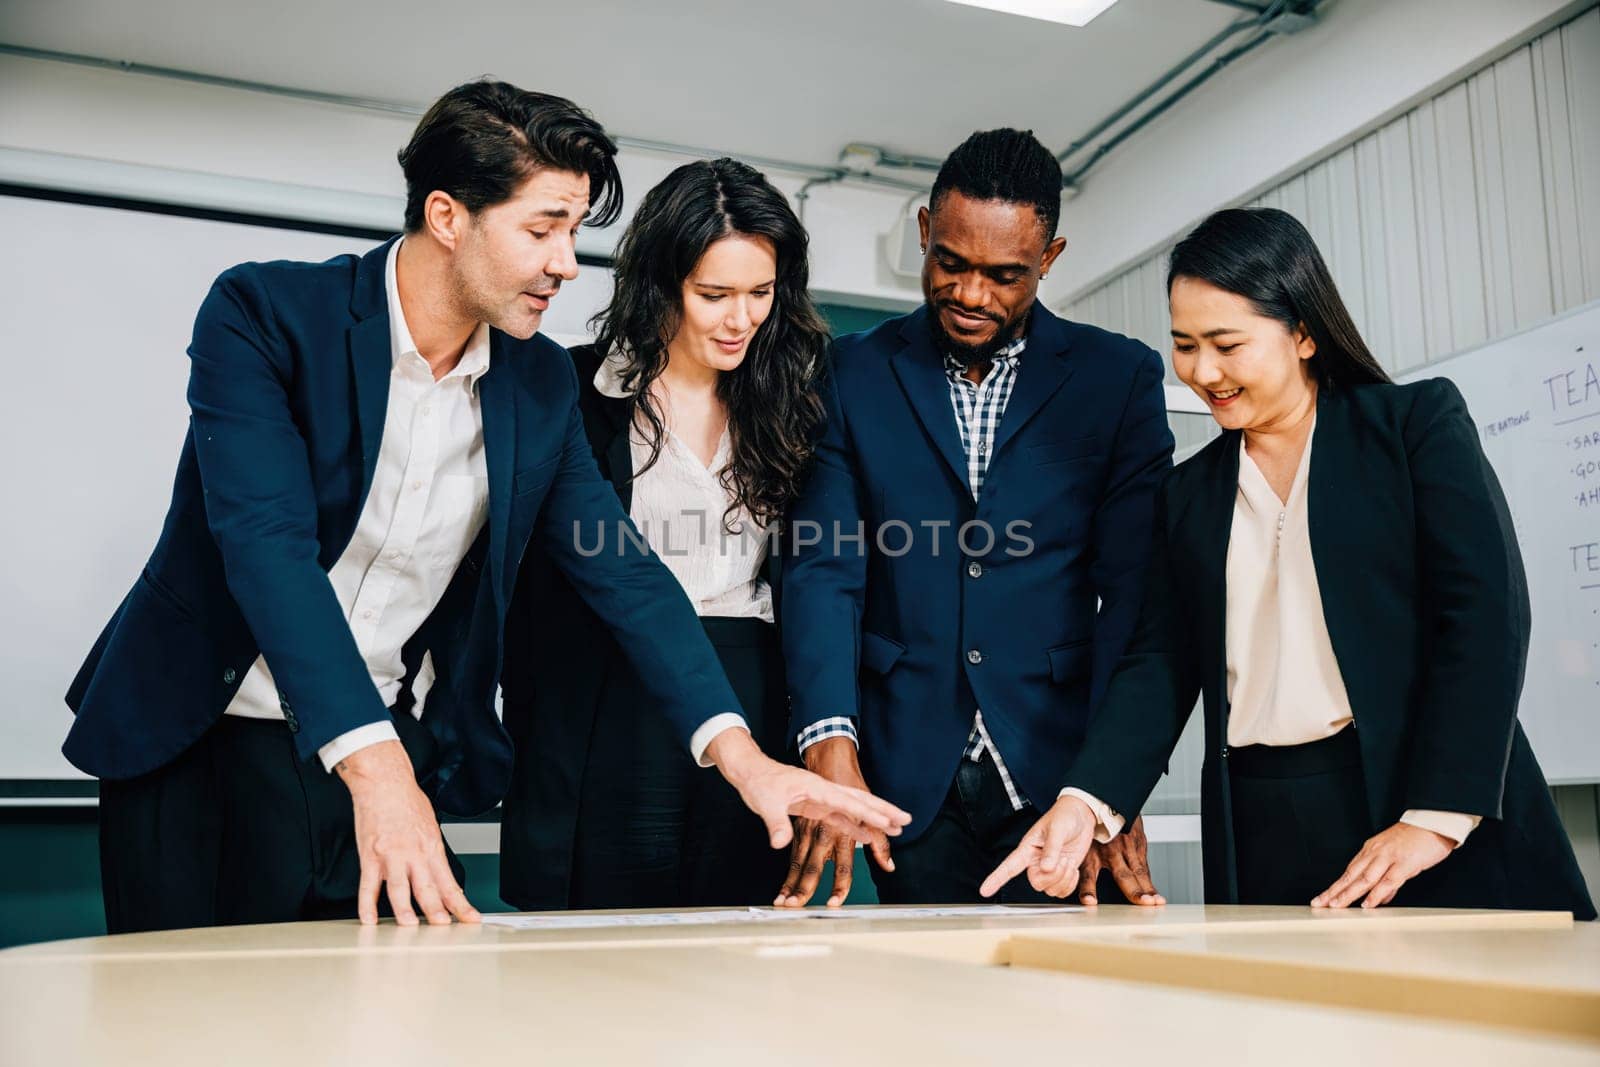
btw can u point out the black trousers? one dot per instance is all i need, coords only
(235, 830)
(654, 830)
(1299, 817)
(975, 829)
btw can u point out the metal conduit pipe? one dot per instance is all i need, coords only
(1075, 178)
(1229, 31)
(1266, 18)
(390, 107)
(804, 193)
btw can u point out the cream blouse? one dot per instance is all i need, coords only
(1284, 685)
(678, 508)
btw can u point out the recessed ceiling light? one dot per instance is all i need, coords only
(1071, 12)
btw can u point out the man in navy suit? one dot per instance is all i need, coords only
(971, 546)
(375, 442)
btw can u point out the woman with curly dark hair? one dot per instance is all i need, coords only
(700, 403)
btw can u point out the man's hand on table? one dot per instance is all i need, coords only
(1126, 856)
(776, 791)
(816, 841)
(398, 840)
(1053, 854)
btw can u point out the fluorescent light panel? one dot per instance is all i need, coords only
(1071, 12)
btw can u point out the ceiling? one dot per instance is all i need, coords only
(789, 81)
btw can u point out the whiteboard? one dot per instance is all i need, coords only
(98, 305)
(1535, 397)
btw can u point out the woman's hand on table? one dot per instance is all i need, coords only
(1384, 864)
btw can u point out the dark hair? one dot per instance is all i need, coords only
(771, 397)
(1267, 257)
(481, 140)
(1006, 165)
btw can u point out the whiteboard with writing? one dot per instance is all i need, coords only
(1536, 399)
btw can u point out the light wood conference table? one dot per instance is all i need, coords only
(1178, 985)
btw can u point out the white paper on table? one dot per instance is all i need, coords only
(969, 911)
(593, 921)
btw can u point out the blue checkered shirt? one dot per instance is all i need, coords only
(978, 406)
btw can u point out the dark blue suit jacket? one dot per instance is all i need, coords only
(889, 635)
(288, 390)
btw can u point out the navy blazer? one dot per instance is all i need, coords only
(1426, 605)
(902, 629)
(288, 390)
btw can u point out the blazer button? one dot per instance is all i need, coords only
(1224, 751)
(974, 657)
(975, 569)
(228, 676)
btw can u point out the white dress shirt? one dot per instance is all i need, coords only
(1284, 684)
(429, 498)
(678, 507)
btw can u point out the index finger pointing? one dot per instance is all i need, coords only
(1009, 868)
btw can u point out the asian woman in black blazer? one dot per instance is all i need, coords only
(699, 403)
(1338, 577)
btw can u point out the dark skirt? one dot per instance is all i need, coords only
(616, 814)
(1300, 817)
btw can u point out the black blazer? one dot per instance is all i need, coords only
(1426, 604)
(558, 655)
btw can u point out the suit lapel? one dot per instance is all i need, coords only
(920, 370)
(612, 443)
(1043, 369)
(1208, 527)
(619, 458)
(371, 359)
(1333, 465)
(497, 400)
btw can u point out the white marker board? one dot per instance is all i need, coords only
(1535, 397)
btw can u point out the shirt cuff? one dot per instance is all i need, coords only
(1452, 824)
(353, 741)
(822, 729)
(1110, 823)
(702, 738)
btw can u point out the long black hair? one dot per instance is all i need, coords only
(772, 399)
(1267, 257)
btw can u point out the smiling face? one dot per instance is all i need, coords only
(981, 273)
(509, 259)
(724, 301)
(1252, 372)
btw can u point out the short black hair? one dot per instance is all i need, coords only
(480, 141)
(1008, 165)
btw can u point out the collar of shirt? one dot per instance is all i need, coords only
(608, 379)
(474, 362)
(1258, 494)
(1007, 352)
